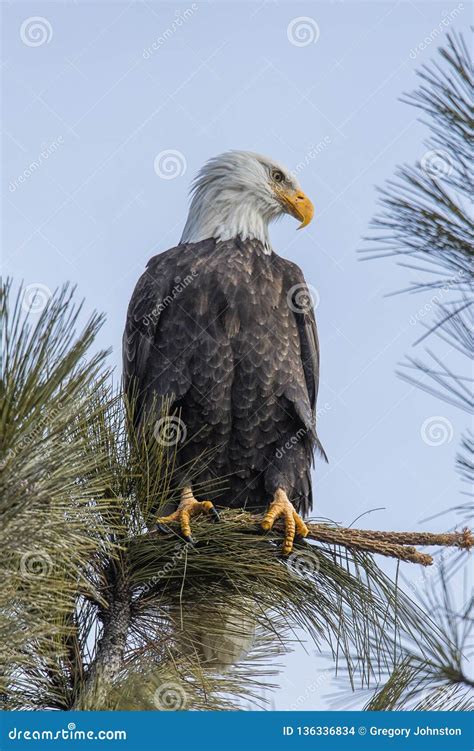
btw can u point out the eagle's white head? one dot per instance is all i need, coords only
(238, 194)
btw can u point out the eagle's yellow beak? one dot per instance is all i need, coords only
(299, 206)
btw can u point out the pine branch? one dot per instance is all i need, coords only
(392, 544)
(435, 679)
(425, 220)
(423, 216)
(397, 545)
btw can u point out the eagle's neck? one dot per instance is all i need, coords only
(225, 216)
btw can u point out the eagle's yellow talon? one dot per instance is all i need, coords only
(187, 508)
(282, 506)
(301, 528)
(207, 505)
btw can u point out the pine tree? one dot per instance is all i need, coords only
(97, 610)
(425, 222)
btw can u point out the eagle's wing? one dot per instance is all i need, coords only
(300, 302)
(150, 372)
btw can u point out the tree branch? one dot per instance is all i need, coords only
(109, 657)
(398, 545)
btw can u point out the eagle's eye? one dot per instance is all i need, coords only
(278, 176)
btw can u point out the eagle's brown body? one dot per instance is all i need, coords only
(218, 328)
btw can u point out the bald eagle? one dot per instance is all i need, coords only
(223, 329)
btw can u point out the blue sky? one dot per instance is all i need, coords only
(94, 92)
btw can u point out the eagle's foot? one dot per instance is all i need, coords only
(187, 508)
(282, 506)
